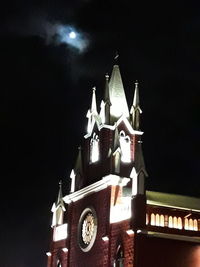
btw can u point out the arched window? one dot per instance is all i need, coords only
(175, 222)
(195, 225)
(147, 219)
(119, 260)
(170, 222)
(191, 224)
(180, 226)
(157, 220)
(153, 221)
(125, 145)
(94, 148)
(162, 221)
(186, 225)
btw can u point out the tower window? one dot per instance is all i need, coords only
(94, 148)
(125, 145)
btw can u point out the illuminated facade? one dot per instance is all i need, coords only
(108, 218)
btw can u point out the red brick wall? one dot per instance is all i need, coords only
(98, 255)
(119, 236)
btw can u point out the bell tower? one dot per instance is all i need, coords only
(96, 224)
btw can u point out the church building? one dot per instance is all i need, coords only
(109, 218)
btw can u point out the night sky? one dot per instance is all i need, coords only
(46, 91)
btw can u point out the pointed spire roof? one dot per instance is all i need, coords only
(60, 197)
(107, 93)
(94, 102)
(136, 102)
(135, 108)
(118, 101)
(139, 159)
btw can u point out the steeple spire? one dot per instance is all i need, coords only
(107, 103)
(92, 111)
(94, 102)
(59, 200)
(136, 95)
(116, 57)
(58, 208)
(135, 109)
(118, 101)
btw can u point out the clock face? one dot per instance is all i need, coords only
(87, 229)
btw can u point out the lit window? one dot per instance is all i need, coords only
(94, 148)
(186, 226)
(180, 226)
(175, 222)
(195, 225)
(153, 222)
(170, 222)
(125, 145)
(157, 220)
(191, 224)
(147, 219)
(162, 221)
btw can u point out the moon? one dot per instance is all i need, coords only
(72, 35)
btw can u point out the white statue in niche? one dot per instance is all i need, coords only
(125, 144)
(94, 148)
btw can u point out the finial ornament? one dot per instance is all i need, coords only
(107, 76)
(60, 183)
(116, 56)
(93, 88)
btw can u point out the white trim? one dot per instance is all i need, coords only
(130, 232)
(105, 238)
(171, 236)
(106, 181)
(113, 127)
(48, 254)
(128, 125)
(154, 203)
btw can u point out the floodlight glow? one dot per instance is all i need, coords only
(72, 35)
(121, 211)
(105, 238)
(60, 232)
(130, 232)
(48, 254)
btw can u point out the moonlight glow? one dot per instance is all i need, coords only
(66, 34)
(72, 37)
